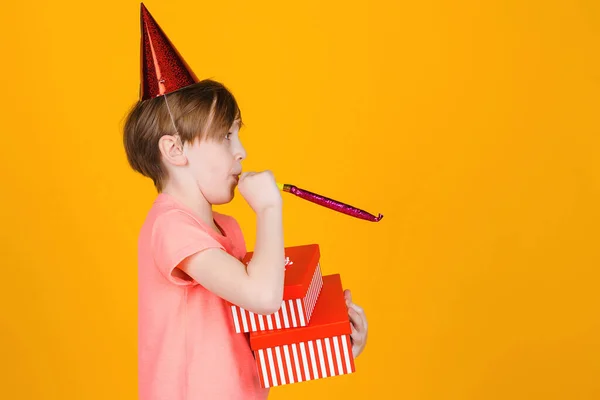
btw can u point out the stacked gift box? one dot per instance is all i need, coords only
(303, 283)
(309, 336)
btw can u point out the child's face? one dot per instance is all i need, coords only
(216, 166)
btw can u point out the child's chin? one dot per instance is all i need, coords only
(223, 199)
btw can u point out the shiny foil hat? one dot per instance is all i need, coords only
(163, 69)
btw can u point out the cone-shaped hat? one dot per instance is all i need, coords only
(163, 69)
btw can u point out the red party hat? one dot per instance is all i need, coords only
(163, 69)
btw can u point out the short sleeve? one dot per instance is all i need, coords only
(177, 235)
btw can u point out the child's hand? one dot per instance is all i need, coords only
(260, 190)
(360, 327)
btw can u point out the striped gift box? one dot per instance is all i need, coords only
(302, 286)
(320, 350)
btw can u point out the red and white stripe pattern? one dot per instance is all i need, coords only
(305, 361)
(293, 313)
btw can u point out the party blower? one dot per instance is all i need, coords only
(329, 203)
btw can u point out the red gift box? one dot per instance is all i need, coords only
(302, 285)
(320, 350)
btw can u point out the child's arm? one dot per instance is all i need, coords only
(258, 288)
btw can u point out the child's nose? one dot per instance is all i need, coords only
(241, 154)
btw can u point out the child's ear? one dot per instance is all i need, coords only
(171, 148)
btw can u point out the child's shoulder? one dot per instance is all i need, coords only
(163, 208)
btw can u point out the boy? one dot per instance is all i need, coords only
(184, 135)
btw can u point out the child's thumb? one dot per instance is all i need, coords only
(244, 175)
(348, 295)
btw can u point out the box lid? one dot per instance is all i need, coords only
(301, 263)
(330, 318)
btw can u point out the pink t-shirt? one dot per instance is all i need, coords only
(187, 346)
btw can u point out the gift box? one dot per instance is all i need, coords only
(302, 286)
(320, 350)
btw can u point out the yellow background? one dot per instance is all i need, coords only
(472, 126)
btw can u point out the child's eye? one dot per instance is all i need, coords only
(227, 135)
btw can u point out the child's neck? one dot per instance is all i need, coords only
(194, 200)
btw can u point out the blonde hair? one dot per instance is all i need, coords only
(205, 110)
